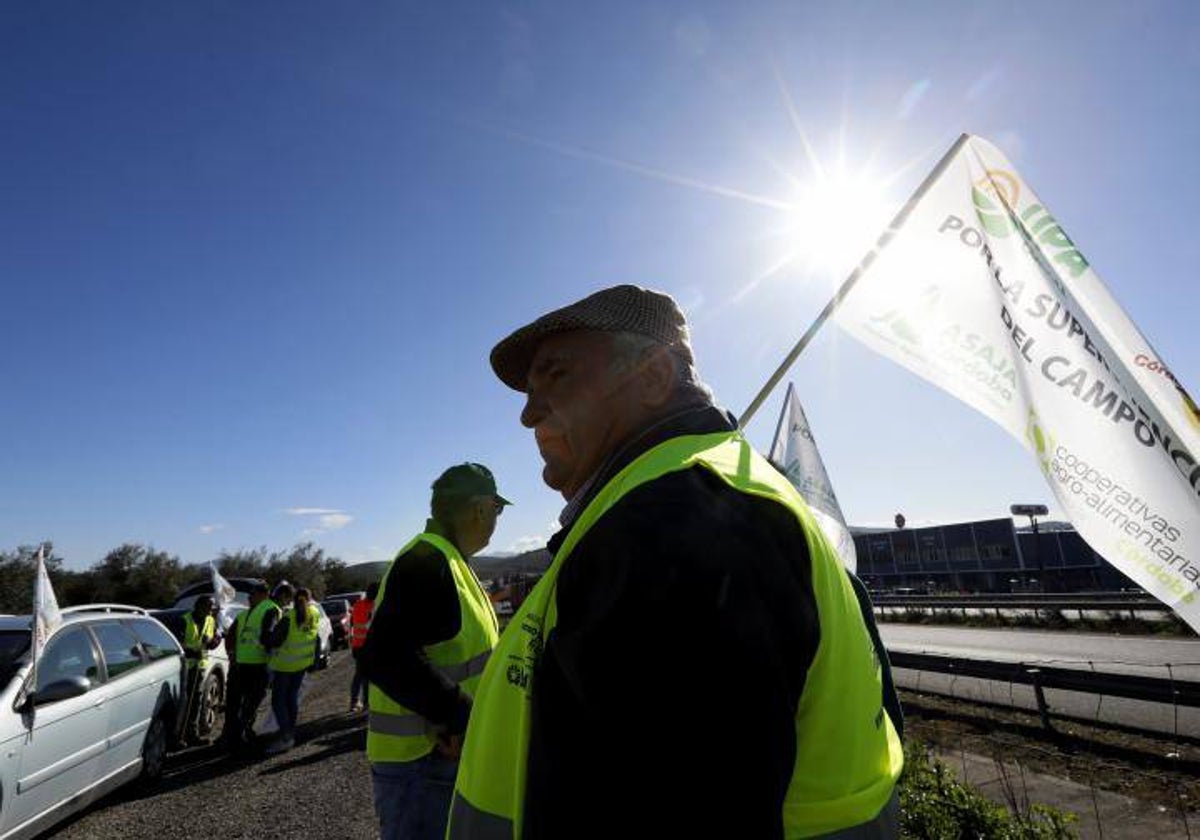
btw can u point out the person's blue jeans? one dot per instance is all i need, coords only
(412, 798)
(285, 700)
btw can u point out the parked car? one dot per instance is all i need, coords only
(97, 713)
(338, 610)
(213, 682)
(324, 639)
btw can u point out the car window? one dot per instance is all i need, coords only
(156, 641)
(14, 644)
(121, 651)
(69, 654)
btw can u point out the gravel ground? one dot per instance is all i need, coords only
(320, 789)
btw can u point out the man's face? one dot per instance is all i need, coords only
(574, 406)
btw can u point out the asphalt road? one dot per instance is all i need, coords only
(320, 789)
(1123, 654)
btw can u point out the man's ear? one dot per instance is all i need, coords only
(656, 377)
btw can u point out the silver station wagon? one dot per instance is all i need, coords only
(100, 711)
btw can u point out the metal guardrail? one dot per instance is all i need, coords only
(1040, 677)
(1098, 601)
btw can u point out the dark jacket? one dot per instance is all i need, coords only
(419, 608)
(664, 703)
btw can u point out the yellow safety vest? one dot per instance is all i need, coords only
(196, 638)
(299, 649)
(848, 756)
(395, 733)
(250, 650)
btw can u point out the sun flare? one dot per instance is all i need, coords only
(835, 220)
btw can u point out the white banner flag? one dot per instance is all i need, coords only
(794, 453)
(46, 617)
(223, 595)
(980, 291)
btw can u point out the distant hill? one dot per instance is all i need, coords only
(528, 562)
(486, 566)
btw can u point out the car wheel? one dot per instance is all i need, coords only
(210, 713)
(154, 750)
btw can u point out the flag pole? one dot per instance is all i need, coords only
(836, 300)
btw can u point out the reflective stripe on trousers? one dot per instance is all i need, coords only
(469, 823)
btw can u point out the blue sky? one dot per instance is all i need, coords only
(253, 255)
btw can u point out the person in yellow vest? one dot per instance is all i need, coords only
(431, 633)
(199, 637)
(694, 662)
(293, 652)
(246, 644)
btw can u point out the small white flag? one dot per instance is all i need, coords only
(794, 453)
(46, 617)
(223, 596)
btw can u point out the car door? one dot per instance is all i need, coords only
(65, 741)
(132, 691)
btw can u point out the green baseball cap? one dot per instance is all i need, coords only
(468, 480)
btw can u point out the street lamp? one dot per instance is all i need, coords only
(1033, 512)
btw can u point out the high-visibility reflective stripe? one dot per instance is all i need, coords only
(465, 670)
(403, 725)
(469, 823)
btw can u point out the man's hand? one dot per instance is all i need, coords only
(449, 746)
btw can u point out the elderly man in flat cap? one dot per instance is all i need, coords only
(430, 636)
(695, 662)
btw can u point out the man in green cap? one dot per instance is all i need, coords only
(431, 634)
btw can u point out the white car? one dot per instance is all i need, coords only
(99, 711)
(324, 641)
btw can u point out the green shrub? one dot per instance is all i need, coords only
(934, 805)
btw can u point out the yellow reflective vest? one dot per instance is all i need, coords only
(299, 649)
(848, 755)
(250, 650)
(395, 733)
(196, 639)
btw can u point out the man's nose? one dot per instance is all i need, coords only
(534, 411)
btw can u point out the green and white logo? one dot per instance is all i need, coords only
(1041, 440)
(994, 196)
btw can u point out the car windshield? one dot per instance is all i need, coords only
(334, 608)
(14, 644)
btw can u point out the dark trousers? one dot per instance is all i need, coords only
(358, 685)
(193, 699)
(247, 688)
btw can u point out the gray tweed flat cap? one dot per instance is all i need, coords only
(617, 309)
